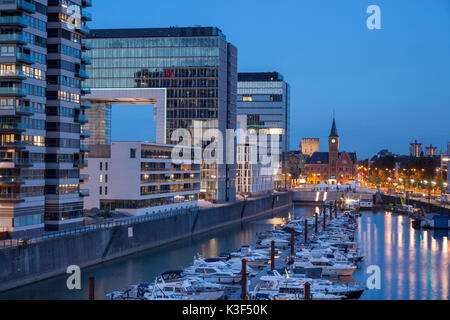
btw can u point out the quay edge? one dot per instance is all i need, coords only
(39, 261)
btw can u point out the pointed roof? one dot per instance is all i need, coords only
(334, 132)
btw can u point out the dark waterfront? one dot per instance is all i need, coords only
(414, 264)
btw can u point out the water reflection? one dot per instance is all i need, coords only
(414, 264)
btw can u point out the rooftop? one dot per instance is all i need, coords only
(259, 76)
(196, 31)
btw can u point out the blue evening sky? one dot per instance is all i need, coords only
(388, 87)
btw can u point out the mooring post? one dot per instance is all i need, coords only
(307, 291)
(292, 244)
(306, 231)
(244, 280)
(317, 222)
(324, 218)
(91, 288)
(272, 255)
(331, 211)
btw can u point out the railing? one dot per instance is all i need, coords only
(13, 91)
(12, 21)
(124, 222)
(25, 57)
(12, 73)
(13, 37)
(27, 6)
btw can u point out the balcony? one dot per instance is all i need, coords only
(85, 148)
(86, 46)
(85, 90)
(13, 21)
(11, 180)
(12, 75)
(85, 134)
(81, 118)
(26, 6)
(84, 177)
(12, 127)
(12, 197)
(86, 104)
(86, 16)
(12, 92)
(86, 3)
(83, 29)
(82, 74)
(84, 193)
(86, 60)
(25, 58)
(12, 145)
(12, 111)
(23, 163)
(80, 163)
(14, 38)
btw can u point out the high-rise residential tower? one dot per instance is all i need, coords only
(265, 98)
(41, 71)
(198, 68)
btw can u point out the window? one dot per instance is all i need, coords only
(133, 153)
(101, 166)
(100, 178)
(106, 178)
(100, 190)
(106, 191)
(106, 166)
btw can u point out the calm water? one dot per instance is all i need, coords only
(414, 265)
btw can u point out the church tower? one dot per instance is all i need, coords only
(333, 145)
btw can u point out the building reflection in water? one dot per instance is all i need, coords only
(414, 263)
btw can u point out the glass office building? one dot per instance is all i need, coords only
(264, 98)
(196, 65)
(41, 72)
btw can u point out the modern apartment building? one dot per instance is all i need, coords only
(265, 99)
(41, 71)
(196, 65)
(415, 149)
(140, 178)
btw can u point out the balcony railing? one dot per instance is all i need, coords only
(12, 92)
(83, 29)
(86, 104)
(85, 133)
(25, 57)
(82, 74)
(13, 38)
(86, 46)
(11, 197)
(86, 60)
(85, 148)
(12, 74)
(81, 118)
(86, 3)
(13, 21)
(11, 180)
(84, 193)
(80, 163)
(86, 16)
(85, 90)
(12, 127)
(26, 6)
(14, 144)
(84, 177)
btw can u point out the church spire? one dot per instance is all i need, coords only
(334, 132)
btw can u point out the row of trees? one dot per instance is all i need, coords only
(409, 172)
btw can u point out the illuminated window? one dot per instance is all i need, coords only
(247, 98)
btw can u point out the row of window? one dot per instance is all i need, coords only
(63, 49)
(153, 42)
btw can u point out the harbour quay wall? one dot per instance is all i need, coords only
(388, 199)
(319, 197)
(35, 261)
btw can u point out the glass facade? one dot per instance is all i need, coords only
(39, 100)
(197, 71)
(264, 98)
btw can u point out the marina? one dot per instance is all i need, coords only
(413, 263)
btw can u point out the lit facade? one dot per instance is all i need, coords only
(332, 167)
(41, 74)
(140, 178)
(196, 65)
(310, 146)
(415, 149)
(265, 99)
